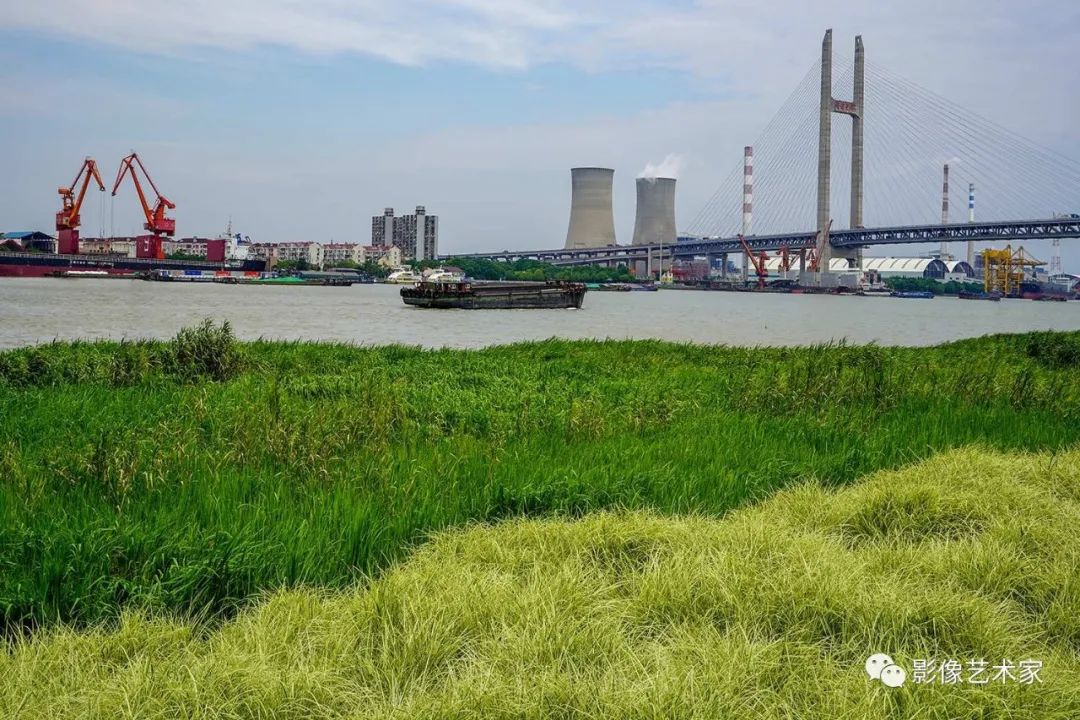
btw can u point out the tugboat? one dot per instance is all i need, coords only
(491, 295)
(871, 285)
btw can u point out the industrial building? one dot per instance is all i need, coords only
(417, 235)
(592, 219)
(27, 240)
(927, 268)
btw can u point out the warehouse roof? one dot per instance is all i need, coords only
(25, 235)
(907, 265)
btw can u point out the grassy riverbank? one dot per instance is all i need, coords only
(769, 612)
(190, 476)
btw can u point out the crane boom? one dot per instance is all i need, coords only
(156, 222)
(758, 260)
(68, 217)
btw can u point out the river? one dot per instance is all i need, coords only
(34, 310)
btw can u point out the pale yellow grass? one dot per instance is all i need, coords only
(769, 612)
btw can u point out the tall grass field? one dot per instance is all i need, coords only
(768, 612)
(191, 477)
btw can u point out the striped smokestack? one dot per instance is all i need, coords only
(945, 208)
(747, 202)
(971, 219)
(748, 190)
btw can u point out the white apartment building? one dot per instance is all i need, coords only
(318, 255)
(387, 256)
(263, 251)
(310, 252)
(188, 246)
(337, 253)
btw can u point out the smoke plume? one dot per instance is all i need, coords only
(669, 167)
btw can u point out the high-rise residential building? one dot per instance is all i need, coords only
(382, 228)
(417, 235)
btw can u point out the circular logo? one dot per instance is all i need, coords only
(893, 676)
(876, 663)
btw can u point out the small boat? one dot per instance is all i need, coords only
(404, 276)
(494, 295)
(443, 275)
(914, 294)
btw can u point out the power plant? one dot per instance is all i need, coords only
(592, 220)
(655, 219)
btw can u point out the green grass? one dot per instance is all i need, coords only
(192, 475)
(769, 612)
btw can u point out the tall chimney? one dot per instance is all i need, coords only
(971, 219)
(748, 203)
(592, 220)
(945, 208)
(655, 219)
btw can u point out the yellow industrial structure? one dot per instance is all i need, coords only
(1004, 270)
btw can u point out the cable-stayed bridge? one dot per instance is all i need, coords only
(837, 186)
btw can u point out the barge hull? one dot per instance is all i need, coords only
(495, 296)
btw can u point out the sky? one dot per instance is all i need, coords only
(300, 119)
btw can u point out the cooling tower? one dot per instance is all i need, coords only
(592, 222)
(655, 222)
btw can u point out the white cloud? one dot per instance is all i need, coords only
(486, 32)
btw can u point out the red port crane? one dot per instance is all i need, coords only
(156, 222)
(758, 260)
(68, 220)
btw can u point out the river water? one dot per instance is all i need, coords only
(36, 310)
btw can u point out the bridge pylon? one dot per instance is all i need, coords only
(855, 109)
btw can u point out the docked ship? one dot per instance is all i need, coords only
(38, 264)
(494, 294)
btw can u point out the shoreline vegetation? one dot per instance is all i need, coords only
(192, 476)
(770, 611)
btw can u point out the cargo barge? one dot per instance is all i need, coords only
(493, 295)
(34, 264)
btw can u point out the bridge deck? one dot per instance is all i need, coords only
(861, 237)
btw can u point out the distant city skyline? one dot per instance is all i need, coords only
(303, 122)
